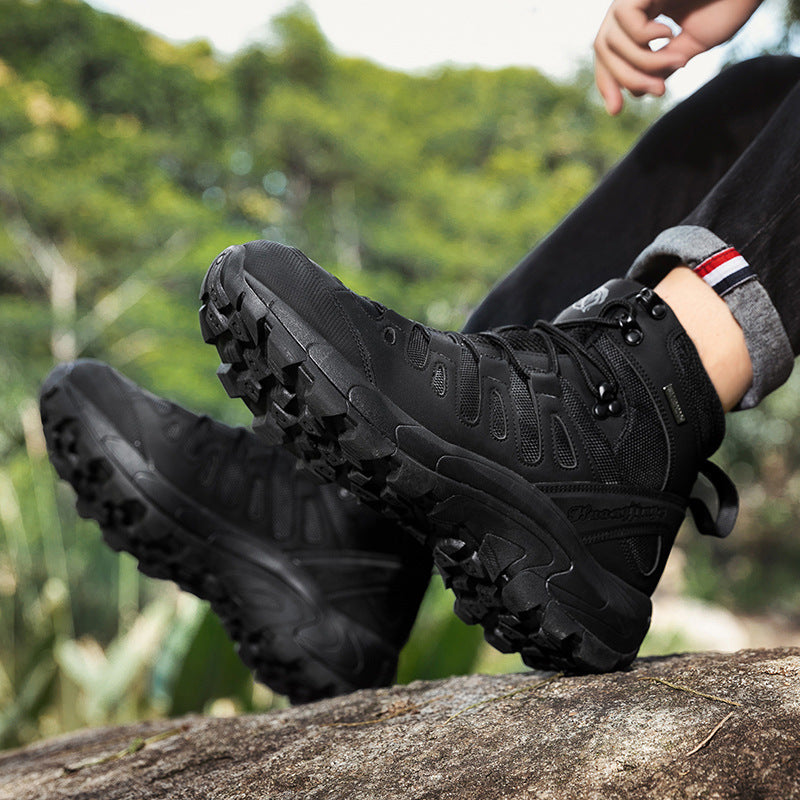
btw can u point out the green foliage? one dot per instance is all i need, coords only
(108, 65)
(303, 54)
(205, 667)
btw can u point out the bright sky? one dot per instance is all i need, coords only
(553, 35)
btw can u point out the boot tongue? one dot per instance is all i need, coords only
(595, 303)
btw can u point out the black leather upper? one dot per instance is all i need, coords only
(608, 410)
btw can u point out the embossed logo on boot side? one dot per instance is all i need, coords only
(588, 513)
(591, 300)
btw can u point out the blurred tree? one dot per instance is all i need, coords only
(302, 50)
(253, 73)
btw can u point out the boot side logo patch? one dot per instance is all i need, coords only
(675, 406)
(591, 300)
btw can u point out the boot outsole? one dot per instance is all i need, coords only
(292, 640)
(491, 534)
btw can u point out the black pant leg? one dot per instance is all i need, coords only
(755, 207)
(664, 178)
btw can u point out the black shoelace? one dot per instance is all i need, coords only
(551, 339)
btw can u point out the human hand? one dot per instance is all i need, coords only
(623, 58)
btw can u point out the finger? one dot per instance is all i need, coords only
(626, 75)
(609, 89)
(683, 46)
(660, 63)
(638, 26)
(657, 91)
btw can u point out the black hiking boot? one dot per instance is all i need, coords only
(548, 469)
(318, 592)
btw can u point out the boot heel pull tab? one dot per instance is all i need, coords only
(717, 517)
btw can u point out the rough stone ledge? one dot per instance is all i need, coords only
(704, 725)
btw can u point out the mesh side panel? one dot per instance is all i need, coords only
(705, 415)
(162, 406)
(231, 484)
(637, 555)
(646, 552)
(208, 472)
(417, 347)
(642, 449)
(498, 424)
(529, 442)
(256, 505)
(562, 445)
(314, 521)
(469, 390)
(439, 380)
(597, 447)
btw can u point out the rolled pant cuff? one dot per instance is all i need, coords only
(766, 338)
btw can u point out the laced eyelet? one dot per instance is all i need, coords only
(607, 405)
(625, 320)
(603, 410)
(652, 303)
(606, 391)
(389, 335)
(633, 336)
(631, 332)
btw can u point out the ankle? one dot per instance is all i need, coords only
(714, 331)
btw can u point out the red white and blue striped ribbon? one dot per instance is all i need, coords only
(724, 270)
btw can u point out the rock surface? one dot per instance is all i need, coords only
(693, 726)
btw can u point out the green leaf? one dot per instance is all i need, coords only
(210, 669)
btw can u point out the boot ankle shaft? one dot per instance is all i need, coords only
(671, 408)
(689, 408)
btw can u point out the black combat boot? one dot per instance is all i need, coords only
(318, 592)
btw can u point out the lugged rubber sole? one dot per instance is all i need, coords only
(283, 629)
(511, 558)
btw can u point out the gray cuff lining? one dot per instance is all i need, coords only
(683, 244)
(767, 342)
(769, 346)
